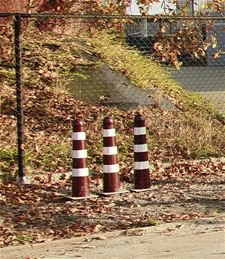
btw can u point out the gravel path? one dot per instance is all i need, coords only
(111, 88)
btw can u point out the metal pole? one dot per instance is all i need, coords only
(19, 108)
(192, 8)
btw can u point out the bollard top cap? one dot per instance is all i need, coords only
(108, 122)
(139, 121)
(78, 125)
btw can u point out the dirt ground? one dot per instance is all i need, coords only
(39, 212)
(196, 239)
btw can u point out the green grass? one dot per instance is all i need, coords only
(23, 238)
(145, 73)
(8, 156)
(151, 223)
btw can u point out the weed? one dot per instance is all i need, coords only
(22, 239)
(151, 223)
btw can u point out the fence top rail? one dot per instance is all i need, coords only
(132, 17)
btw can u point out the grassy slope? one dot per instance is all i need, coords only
(49, 64)
(145, 73)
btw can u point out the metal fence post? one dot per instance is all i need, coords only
(19, 108)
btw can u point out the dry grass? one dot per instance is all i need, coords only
(193, 132)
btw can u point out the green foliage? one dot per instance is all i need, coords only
(8, 158)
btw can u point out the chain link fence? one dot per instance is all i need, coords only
(203, 74)
(198, 63)
(131, 65)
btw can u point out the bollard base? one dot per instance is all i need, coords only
(79, 198)
(112, 193)
(23, 180)
(141, 190)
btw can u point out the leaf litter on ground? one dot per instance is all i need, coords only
(38, 212)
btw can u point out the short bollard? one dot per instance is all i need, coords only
(80, 173)
(141, 163)
(111, 181)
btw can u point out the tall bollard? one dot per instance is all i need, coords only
(141, 163)
(80, 180)
(111, 181)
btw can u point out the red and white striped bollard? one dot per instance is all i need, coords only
(111, 181)
(80, 173)
(141, 163)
